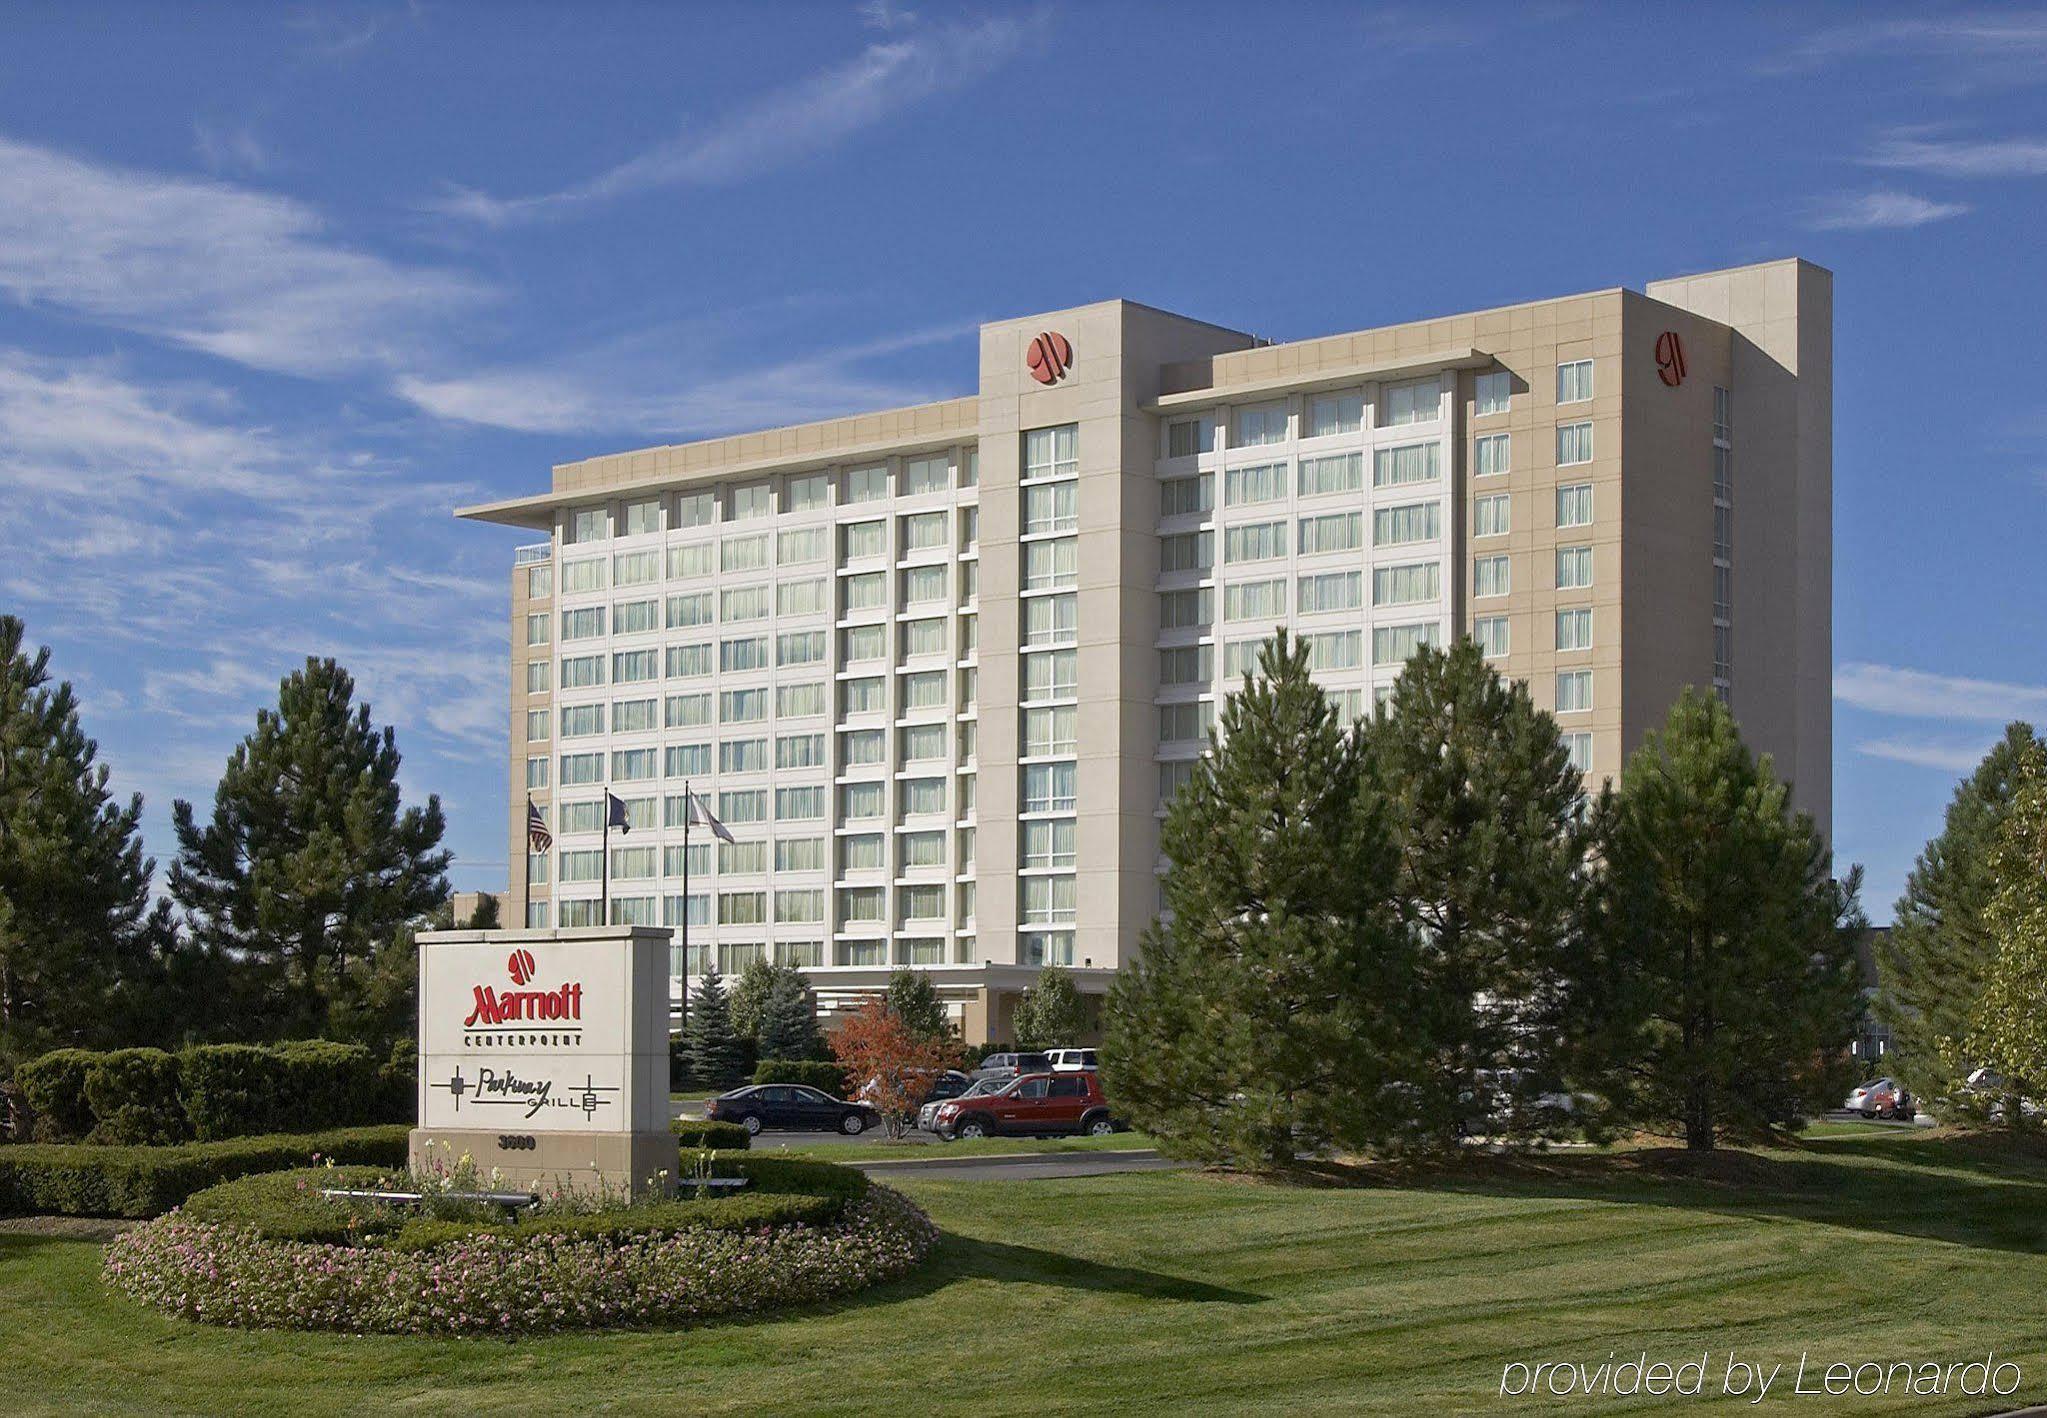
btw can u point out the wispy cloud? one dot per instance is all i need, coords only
(230, 147)
(1971, 47)
(1948, 755)
(247, 276)
(1879, 211)
(617, 388)
(332, 33)
(1891, 689)
(788, 125)
(1962, 157)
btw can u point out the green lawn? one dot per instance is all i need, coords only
(1184, 1292)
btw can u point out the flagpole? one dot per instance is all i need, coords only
(526, 870)
(689, 810)
(604, 889)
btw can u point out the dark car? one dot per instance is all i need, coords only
(794, 1107)
(1007, 1066)
(1034, 1105)
(939, 1086)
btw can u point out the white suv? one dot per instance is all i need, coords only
(1071, 1060)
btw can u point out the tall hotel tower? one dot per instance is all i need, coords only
(938, 668)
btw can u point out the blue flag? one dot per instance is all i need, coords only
(614, 811)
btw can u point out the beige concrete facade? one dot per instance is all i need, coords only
(1113, 541)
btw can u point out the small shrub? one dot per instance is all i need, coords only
(54, 1086)
(326, 1085)
(231, 1090)
(133, 1094)
(695, 1134)
(828, 1076)
(85, 1179)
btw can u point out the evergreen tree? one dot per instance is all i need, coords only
(788, 1026)
(914, 1000)
(2007, 1031)
(309, 868)
(1934, 963)
(711, 1051)
(749, 996)
(1486, 812)
(1719, 987)
(1264, 1015)
(1051, 1013)
(83, 955)
(485, 917)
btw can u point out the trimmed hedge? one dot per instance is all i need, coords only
(288, 1206)
(214, 1091)
(133, 1094)
(695, 1134)
(811, 1072)
(54, 1086)
(93, 1180)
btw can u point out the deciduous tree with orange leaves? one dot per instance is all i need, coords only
(890, 1065)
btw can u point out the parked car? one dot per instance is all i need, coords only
(1882, 1098)
(1072, 1060)
(796, 1107)
(1035, 1104)
(927, 1116)
(946, 1083)
(1007, 1066)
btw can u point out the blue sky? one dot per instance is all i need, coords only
(279, 287)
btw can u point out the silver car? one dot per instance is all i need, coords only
(928, 1114)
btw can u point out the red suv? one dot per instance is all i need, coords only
(1035, 1104)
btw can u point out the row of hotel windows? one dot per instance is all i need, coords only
(801, 492)
(1328, 415)
(857, 853)
(741, 604)
(1403, 525)
(1048, 732)
(1327, 650)
(1493, 575)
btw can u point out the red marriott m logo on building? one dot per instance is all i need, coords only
(523, 1006)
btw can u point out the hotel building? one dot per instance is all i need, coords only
(938, 668)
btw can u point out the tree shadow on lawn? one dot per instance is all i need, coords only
(1956, 1191)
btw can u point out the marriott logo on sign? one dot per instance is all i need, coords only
(519, 1006)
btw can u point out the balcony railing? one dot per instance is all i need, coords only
(539, 551)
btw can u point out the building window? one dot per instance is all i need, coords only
(1574, 443)
(1574, 505)
(1184, 497)
(583, 624)
(1186, 664)
(536, 772)
(743, 553)
(1048, 787)
(537, 626)
(1335, 649)
(1186, 723)
(1407, 463)
(1254, 541)
(1495, 391)
(1579, 746)
(696, 559)
(806, 493)
(1574, 691)
(1491, 515)
(1407, 585)
(926, 531)
(1340, 472)
(1393, 644)
(696, 509)
(1491, 576)
(864, 484)
(1493, 453)
(1054, 563)
(589, 524)
(1183, 551)
(1048, 843)
(1411, 522)
(1574, 381)
(1574, 629)
(1186, 438)
(1331, 591)
(1574, 568)
(1255, 600)
(1050, 674)
(1330, 414)
(801, 545)
(1416, 401)
(1051, 453)
(1051, 619)
(1495, 639)
(1336, 531)
(539, 582)
(1052, 507)
(1048, 900)
(1260, 426)
(932, 473)
(536, 676)
(1264, 482)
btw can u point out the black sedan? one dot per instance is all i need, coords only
(790, 1106)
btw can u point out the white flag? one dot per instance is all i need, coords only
(700, 812)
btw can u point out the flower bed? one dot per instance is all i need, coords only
(268, 1252)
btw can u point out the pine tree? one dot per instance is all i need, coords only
(83, 955)
(1263, 1016)
(1051, 1013)
(914, 1000)
(1718, 988)
(2007, 1026)
(309, 868)
(485, 917)
(750, 996)
(1486, 812)
(1933, 964)
(711, 1051)
(788, 1026)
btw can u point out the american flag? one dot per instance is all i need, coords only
(537, 836)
